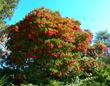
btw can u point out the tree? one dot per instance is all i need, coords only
(104, 37)
(47, 43)
(6, 10)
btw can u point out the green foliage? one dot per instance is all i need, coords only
(49, 50)
(52, 83)
(103, 36)
(103, 75)
(106, 60)
(100, 78)
(2, 80)
(6, 10)
(97, 50)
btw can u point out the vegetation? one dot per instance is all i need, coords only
(49, 50)
(104, 37)
(6, 10)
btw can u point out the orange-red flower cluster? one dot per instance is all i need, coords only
(47, 36)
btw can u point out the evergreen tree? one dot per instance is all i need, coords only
(6, 10)
(104, 37)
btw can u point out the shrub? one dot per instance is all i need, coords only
(100, 78)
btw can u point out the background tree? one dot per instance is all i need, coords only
(104, 37)
(6, 10)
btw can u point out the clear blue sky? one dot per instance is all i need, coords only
(93, 14)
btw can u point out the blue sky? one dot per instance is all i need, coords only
(93, 14)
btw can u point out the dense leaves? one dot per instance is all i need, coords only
(6, 10)
(49, 40)
(104, 37)
(46, 47)
(97, 50)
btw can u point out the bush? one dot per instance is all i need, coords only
(100, 78)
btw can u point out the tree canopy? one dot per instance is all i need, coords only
(46, 46)
(103, 36)
(6, 10)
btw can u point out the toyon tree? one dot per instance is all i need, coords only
(49, 43)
